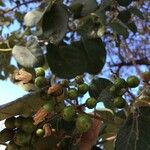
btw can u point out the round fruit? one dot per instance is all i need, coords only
(12, 146)
(91, 103)
(124, 2)
(69, 113)
(65, 83)
(6, 135)
(39, 72)
(28, 125)
(40, 82)
(133, 81)
(79, 80)
(119, 102)
(72, 93)
(49, 106)
(83, 123)
(19, 121)
(40, 132)
(120, 83)
(146, 76)
(22, 138)
(10, 123)
(83, 88)
(124, 16)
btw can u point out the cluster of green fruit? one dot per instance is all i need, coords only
(40, 80)
(20, 132)
(119, 88)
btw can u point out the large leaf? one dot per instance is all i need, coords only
(69, 61)
(99, 88)
(135, 133)
(88, 6)
(54, 23)
(30, 55)
(25, 105)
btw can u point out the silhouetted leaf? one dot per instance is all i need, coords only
(69, 61)
(88, 6)
(135, 133)
(118, 28)
(54, 23)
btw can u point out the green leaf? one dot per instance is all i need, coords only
(118, 28)
(88, 6)
(69, 61)
(132, 27)
(100, 89)
(32, 18)
(137, 12)
(30, 55)
(135, 133)
(55, 22)
(106, 114)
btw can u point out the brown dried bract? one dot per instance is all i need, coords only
(48, 130)
(22, 75)
(55, 90)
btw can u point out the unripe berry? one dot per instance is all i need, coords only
(49, 106)
(10, 123)
(40, 82)
(91, 103)
(39, 72)
(83, 123)
(83, 88)
(69, 113)
(119, 102)
(72, 93)
(40, 132)
(133, 81)
(79, 80)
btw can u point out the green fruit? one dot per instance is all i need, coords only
(72, 93)
(65, 83)
(124, 2)
(146, 76)
(40, 132)
(39, 72)
(40, 82)
(49, 106)
(12, 146)
(133, 81)
(119, 102)
(83, 123)
(69, 113)
(10, 123)
(22, 138)
(120, 83)
(19, 121)
(6, 135)
(83, 88)
(79, 80)
(28, 125)
(91, 103)
(124, 16)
